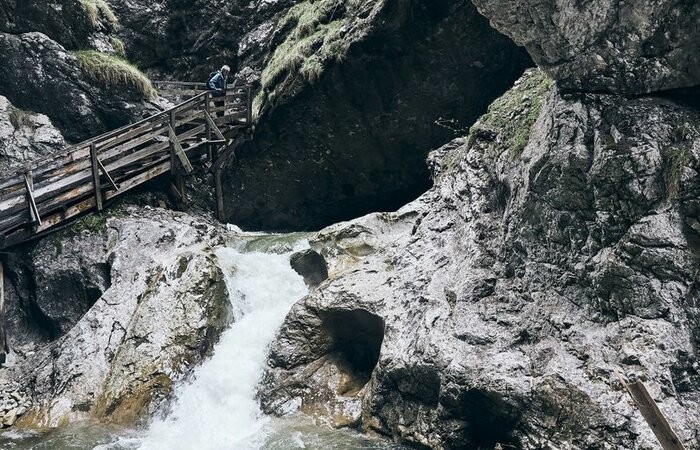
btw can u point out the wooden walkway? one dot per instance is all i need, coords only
(201, 130)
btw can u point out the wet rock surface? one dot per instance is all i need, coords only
(25, 136)
(310, 265)
(514, 289)
(159, 313)
(632, 47)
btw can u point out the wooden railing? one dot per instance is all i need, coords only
(47, 192)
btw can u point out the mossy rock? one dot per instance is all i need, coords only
(510, 118)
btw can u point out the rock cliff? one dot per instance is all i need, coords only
(119, 326)
(632, 47)
(559, 244)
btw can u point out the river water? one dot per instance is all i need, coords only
(216, 408)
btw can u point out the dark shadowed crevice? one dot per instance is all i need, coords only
(356, 140)
(356, 339)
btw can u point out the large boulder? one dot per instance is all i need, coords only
(354, 94)
(558, 247)
(156, 315)
(632, 47)
(67, 22)
(25, 136)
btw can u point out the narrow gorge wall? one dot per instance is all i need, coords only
(351, 96)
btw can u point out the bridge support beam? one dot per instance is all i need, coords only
(96, 176)
(4, 347)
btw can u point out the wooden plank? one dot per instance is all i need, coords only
(109, 177)
(96, 176)
(33, 210)
(4, 346)
(227, 154)
(653, 415)
(213, 126)
(179, 152)
(85, 205)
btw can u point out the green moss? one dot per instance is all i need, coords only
(118, 46)
(676, 158)
(20, 118)
(512, 115)
(318, 35)
(113, 71)
(97, 9)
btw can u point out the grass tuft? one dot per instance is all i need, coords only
(676, 158)
(113, 71)
(118, 46)
(98, 9)
(318, 33)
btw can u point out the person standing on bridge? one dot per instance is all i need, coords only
(217, 84)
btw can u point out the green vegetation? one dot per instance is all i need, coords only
(318, 34)
(113, 70)
(512, 115)
(20, 118)
(676, 158)
(118, 46)
(96, 9)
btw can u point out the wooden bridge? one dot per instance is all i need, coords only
(49, 192)
(201, 130)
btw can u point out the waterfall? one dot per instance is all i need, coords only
(217, 408)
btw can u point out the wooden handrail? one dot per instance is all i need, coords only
(86, 175)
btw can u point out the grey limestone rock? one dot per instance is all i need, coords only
(552, 252)
(160, 311)
(626, 47)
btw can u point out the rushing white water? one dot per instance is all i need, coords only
(217, 409)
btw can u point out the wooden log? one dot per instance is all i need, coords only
(175, 169)
(96, 176)
(4, 345)
(653, 415)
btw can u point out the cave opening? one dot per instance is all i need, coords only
(356, 338)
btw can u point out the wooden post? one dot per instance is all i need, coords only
(96, 176)
(653, 415)
(207, 108)
(4, 348)
(175, 167)
(249, 107)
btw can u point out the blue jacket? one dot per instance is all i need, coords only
(217, 83)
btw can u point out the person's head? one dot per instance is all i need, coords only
(225, 70)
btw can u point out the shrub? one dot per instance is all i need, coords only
(113, 71)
